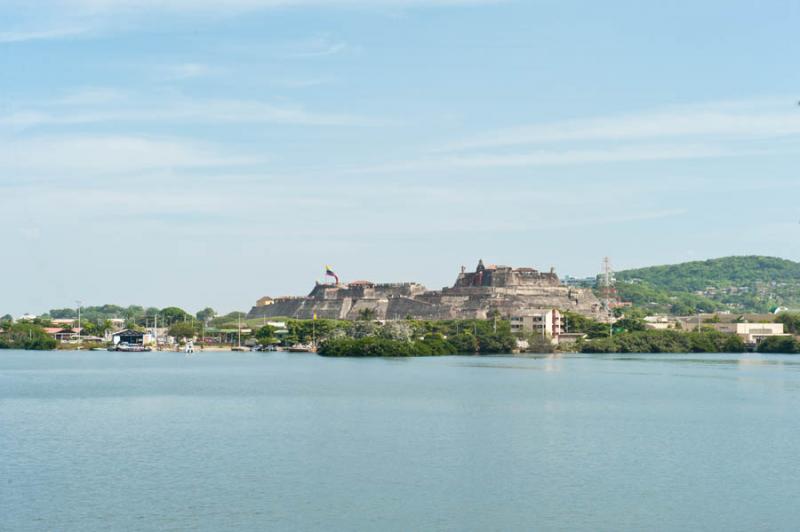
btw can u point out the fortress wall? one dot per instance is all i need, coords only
(286, 308)
(400, 307)
(510, 291)
(376, 305)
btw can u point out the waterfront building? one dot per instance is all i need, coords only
(751, 333)
(131, 337)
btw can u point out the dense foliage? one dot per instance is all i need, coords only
(132, 314)
(410, 337)
(667, 341)
(25, 336)
(747, 284)
(790, 320)
(779, 344)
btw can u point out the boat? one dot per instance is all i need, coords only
(302, 348)
(130, 348)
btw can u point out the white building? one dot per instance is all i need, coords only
(547, 322)
(751, 333)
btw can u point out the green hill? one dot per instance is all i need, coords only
(738, 284)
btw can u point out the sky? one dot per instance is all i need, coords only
(202, 153)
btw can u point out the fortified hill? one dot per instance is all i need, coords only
(513, 292)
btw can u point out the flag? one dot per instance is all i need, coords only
(329, 272)
(315, 315)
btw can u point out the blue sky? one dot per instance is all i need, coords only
(184, 152)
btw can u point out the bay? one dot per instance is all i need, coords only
(257, 441)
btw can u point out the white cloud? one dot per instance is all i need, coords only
(298, 83)
(758, 119)
(101, 6)
(554, 157)
(97, 106)
(316, 47)
(100, 156)
(186, 71)
(39, 35)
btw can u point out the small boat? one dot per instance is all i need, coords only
(131, 348)
(302, 348)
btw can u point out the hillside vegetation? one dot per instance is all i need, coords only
(738, 284)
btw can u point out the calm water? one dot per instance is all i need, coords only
(295, 442)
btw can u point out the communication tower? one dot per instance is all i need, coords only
(608, 289)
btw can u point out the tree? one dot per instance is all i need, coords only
(27, 336)
(206, 314)
(63, 314)
(779, 344)
(182, 330)
(539, 344)
(89, 328)
(397, 330)
(173, 314)
(630, 324)
(366, 314)
(790, 320)
(500, 342)
(464, 343)
(266, 335)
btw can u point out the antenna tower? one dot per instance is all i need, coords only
(608, 288)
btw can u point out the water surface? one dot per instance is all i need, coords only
(222, 441)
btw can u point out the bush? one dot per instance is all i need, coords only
(496, 343)
(27, 336)
(779, 344)
(539, 344)
(705, 341)
(464, 343)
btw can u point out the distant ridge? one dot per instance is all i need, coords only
(739, 283)
(750, 283)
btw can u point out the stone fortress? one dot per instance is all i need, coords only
(513, 292)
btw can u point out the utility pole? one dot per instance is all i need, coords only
(80, 303)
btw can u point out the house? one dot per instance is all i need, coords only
(62, 334)
(129, 336)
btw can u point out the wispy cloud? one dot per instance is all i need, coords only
(99, 106)
(321, 46)
(762, 118)
(553, 157)
(105, 156)
(297, 83)
(40, 35)
(104, 6)
(184, 71)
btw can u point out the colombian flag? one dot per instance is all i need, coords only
(329, 272)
